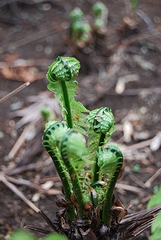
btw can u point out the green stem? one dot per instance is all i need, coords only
(65, 181)
(67, 106)
(106, 218)
(77, 190)
(96, 167)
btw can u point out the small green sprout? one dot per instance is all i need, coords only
(136, 168)
(46, 113)
(80, 30)
(134, 4)
(76, 15)
(101, 14)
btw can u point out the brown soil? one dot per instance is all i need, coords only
(41, 32)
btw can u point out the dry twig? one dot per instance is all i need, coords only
(14, 92)
(150, 180)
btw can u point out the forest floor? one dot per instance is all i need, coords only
(121, 71)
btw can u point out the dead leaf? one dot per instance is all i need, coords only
(13, 68)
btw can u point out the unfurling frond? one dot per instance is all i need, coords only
(61, 76)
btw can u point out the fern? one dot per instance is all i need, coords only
(89, 171)
(61, 76)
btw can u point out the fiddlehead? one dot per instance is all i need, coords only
(101, 128)
(52, 137)
(61, 75)
(110, 160)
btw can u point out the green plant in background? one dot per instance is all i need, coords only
(23, 235)
(87, 165)
(46, 113)
(80, 30)
(101, 13)
(134, 4)
(156, 224)
(136, 168)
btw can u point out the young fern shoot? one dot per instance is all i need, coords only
(88, 170)
(61, 75)
(110, 160)
(52, 137)
(101, 128)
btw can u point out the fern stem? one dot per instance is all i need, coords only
(67, 106)
(77, 190)
(96, 167)
(66, 185)
(106, 218)
(108, 199)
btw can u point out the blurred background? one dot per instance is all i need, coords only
(119, 50)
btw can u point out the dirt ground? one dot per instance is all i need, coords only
(121, 71)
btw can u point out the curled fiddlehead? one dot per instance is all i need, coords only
(52, 137)
(61, 75)
(110, 160)
(63, 69)
(101, 127)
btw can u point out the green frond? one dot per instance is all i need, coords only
(93, 144)
(64, 87)
(79, 113)
(110, 160)
(73, 147)
(101, 127)
(73, 150)
(53, 134)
